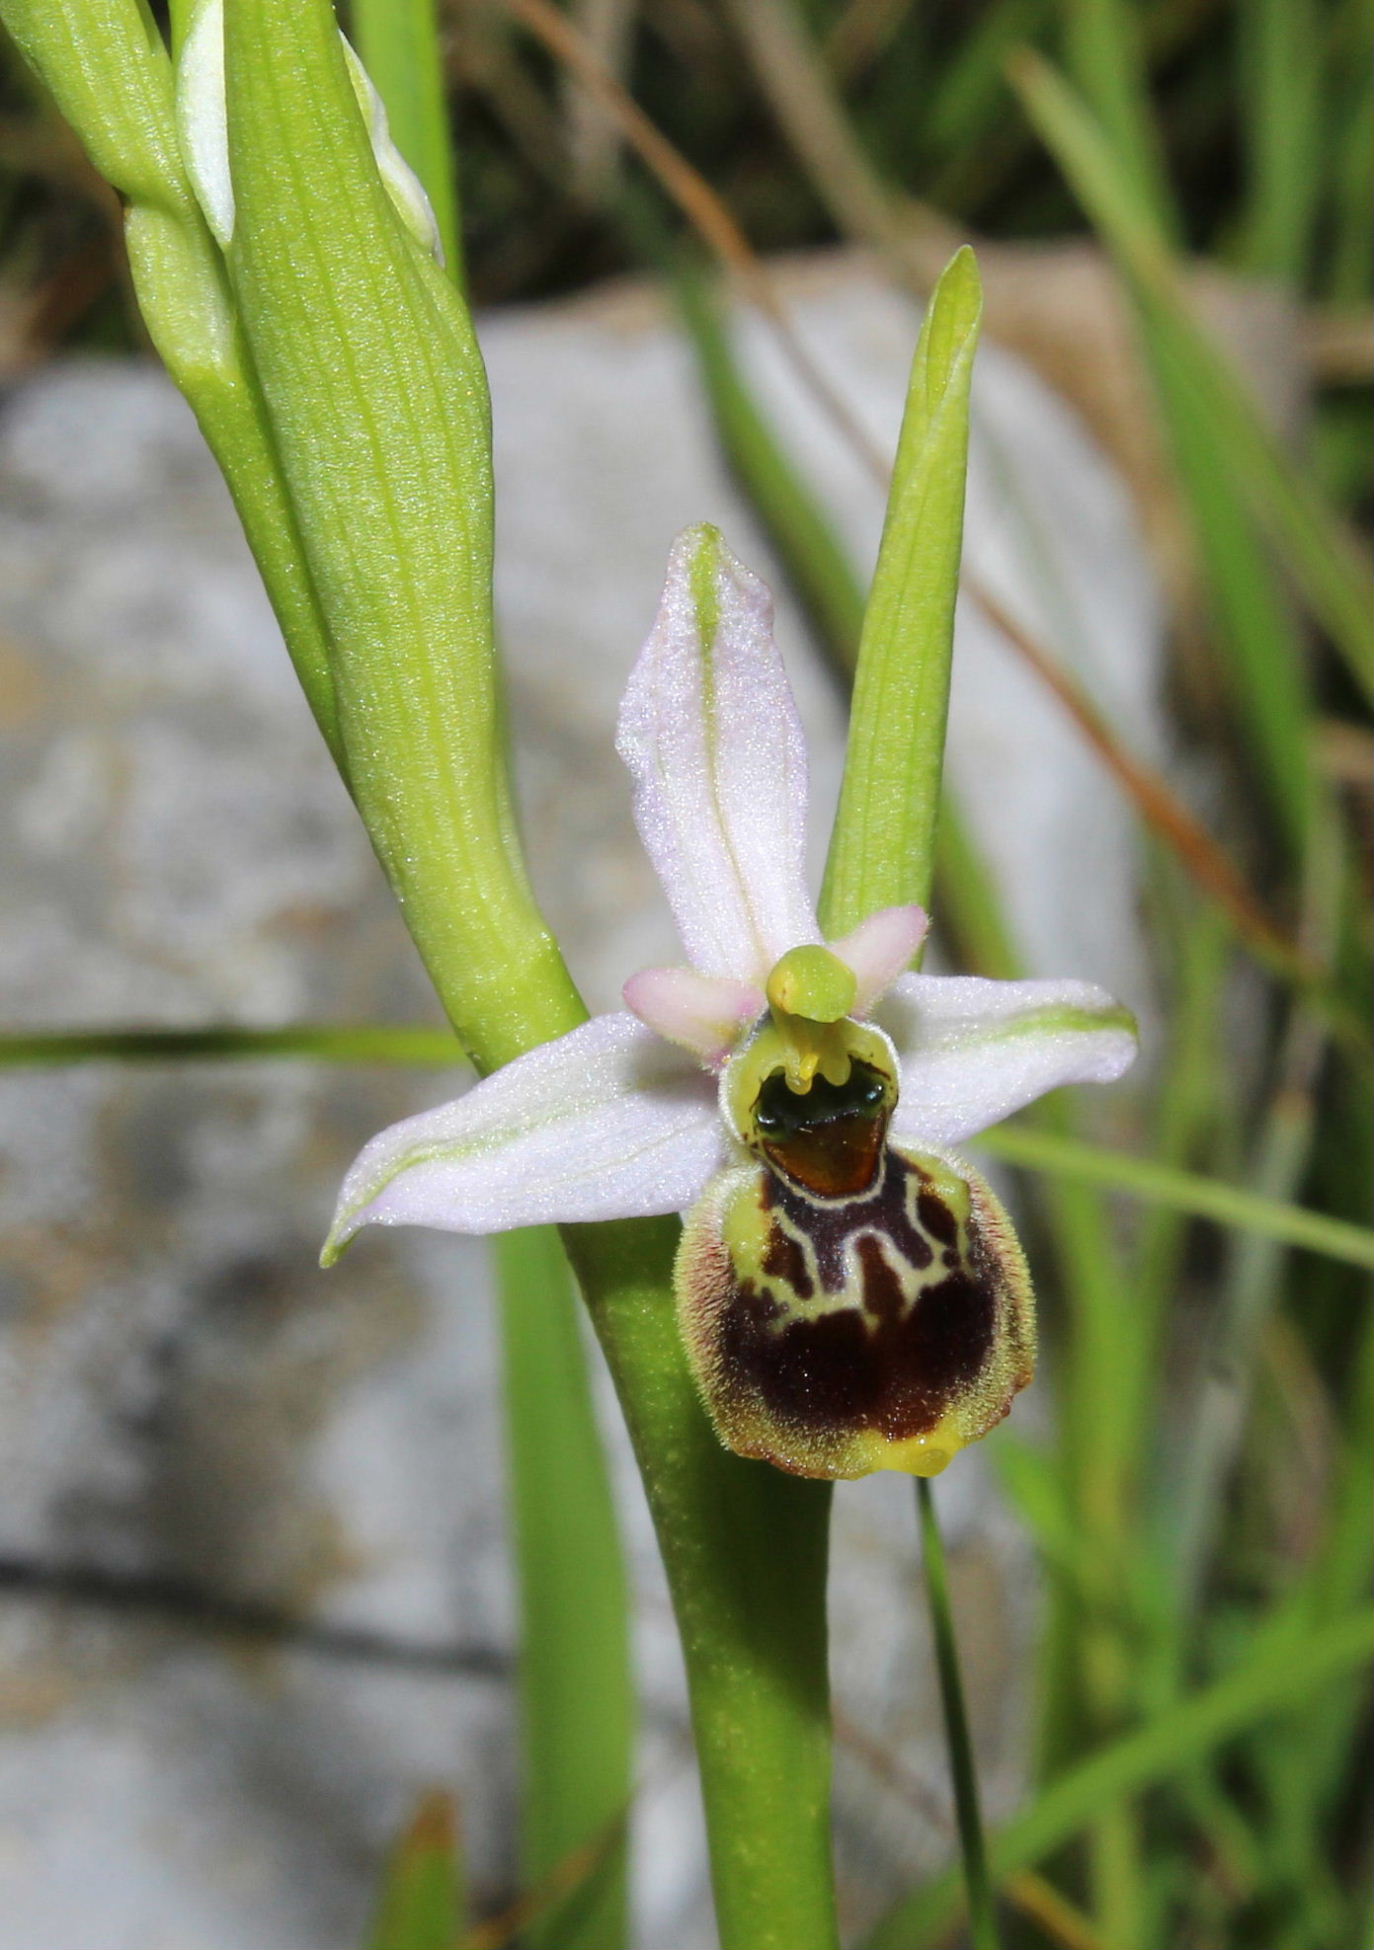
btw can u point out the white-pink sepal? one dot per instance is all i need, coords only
(973, 1051)
(712, 739)
(607, 1122)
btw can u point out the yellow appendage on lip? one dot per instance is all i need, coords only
(811, 993)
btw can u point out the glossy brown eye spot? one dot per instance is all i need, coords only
(829, 1139)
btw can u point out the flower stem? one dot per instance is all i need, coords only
(745, 1548)
(982, 1915)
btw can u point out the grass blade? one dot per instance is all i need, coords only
(1182, 1191)
(1280, 49)
(398, 41)
(982, 1916)
(816, 561)
(423, 1900)
(1335, 583)
(1291, 1662)
(576, 1693)
(1104, 53)
(356, 1042)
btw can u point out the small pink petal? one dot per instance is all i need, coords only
(880, 949)
(704, 1013)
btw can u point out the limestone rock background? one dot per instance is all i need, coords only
(254, 1594)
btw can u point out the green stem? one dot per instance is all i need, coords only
(982, 1913)
(577, 1708)
(745, 1549)
(371, 370)
(363, 358)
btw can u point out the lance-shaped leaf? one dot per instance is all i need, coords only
(378, 405)
(883, 848)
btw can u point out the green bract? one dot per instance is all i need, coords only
(883, 849)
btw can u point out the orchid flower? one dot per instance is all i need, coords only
(851, 1294)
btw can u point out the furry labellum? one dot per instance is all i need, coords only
(849, 1303)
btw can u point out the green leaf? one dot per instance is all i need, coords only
(377, 401)
(576, 1692)
(423, 1898)
(1204, 385)
(1291, 1662)
(882, 852)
